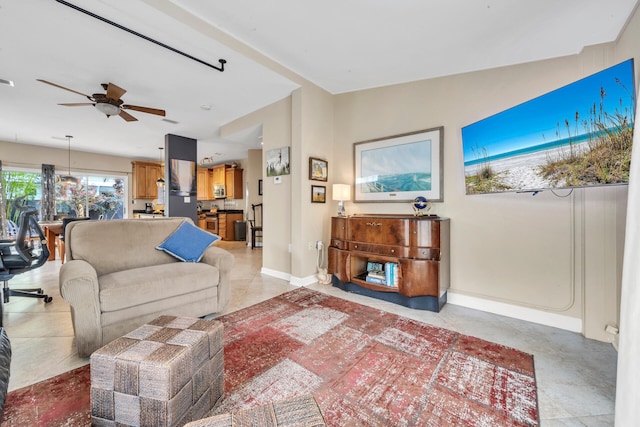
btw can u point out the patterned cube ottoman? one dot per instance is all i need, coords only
(165, 373)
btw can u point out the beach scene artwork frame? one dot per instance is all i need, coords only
(579, 135)
(399, 168)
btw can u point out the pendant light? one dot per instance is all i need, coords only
(69, 179)
(160, 181)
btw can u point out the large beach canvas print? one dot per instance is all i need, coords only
(579, 135)
(399, 168)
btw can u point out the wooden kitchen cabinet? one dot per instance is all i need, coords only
(218, 174)
(204, 180)
(234, 183)
(226, 226)
(418, 248)
(144, 177)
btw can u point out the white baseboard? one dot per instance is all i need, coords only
(303, 281)
(295, 281)
(275, 273)
(541, 317)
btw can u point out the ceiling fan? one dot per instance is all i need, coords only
(109, 103)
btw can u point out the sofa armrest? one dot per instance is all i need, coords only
(78, 282)
(223, 260)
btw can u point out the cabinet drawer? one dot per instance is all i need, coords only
(384, 231)
(384, 250)
(339, 244)
(425, 253)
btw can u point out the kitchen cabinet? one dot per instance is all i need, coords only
(205, 185)
(226, 221)
(233, 183)
(144, 177)
(217, 174)
(202, 221)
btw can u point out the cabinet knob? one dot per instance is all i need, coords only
(393, 251)
(356, 246)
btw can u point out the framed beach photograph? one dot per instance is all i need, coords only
(318, 194)
(399, 168)
(278, 162)
(318, 169)
(578, 135)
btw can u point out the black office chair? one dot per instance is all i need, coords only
(256, 224)
(27, 252)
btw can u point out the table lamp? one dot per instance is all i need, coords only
(341, 192)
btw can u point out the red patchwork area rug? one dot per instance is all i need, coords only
(364, 366)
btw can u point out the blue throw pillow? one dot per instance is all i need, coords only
(188, 242)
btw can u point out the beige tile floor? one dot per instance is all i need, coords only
(575, 376)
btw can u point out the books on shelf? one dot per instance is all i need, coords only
(371, 266)
(382, 274)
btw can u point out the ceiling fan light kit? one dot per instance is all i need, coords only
(108, 109)
(109, 103)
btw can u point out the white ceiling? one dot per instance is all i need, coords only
(341, 45)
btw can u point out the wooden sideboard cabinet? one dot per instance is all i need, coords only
(418, 246)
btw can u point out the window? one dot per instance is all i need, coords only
(21, 183)
(93, 196)
(98, 197)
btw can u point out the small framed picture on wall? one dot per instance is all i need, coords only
(318, 194)
(318, 169)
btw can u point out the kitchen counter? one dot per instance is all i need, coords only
(141, 213)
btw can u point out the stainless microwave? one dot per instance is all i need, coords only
(219, 191)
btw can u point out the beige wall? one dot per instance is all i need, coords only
(554, 260)
(276, 132)
(559, 256)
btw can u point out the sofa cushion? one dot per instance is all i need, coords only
(124, 289)
(120, 244)
(188, 242)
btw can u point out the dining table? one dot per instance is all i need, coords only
(51, 230)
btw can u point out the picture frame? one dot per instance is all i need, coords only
(278, 162)
(399, 168)
(182, 177)
(318, 194)
(318, 169)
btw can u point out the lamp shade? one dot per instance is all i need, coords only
(341, 192)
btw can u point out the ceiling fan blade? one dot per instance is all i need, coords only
(128, 117)
(65, 88)
(144, 109)
(76, 104)
(115, 91)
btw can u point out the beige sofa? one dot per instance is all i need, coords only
(116, 280)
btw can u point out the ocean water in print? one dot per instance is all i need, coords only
(413, 181)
